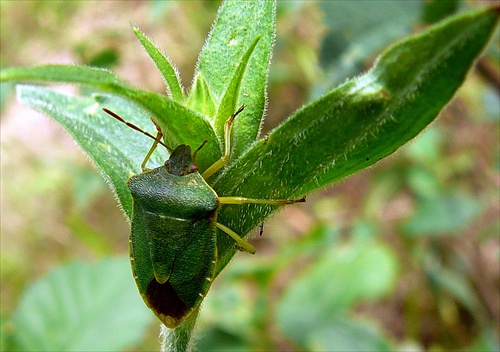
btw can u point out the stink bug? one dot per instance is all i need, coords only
(173, 249)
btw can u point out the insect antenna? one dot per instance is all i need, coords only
(197, 150)
(131, 125)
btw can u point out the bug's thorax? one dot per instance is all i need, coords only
(175, 189)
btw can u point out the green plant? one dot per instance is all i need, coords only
(348, 129)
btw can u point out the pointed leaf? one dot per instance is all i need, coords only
(238, 24)
(228, 104)
(169, 73)
(98, 78)
(179, 124)
(117, 150)
(201, 99)
(357, 124)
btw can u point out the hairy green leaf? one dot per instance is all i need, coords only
(179, 124)
(359, 123)
(167, 70)
(201, 99)
(237, 25)
(228, 103)
(115, 149)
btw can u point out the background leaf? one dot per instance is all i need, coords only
(442, 214)
(435, 10)
(59, 313)
(344, 334)
(338, 279)
(355, 32)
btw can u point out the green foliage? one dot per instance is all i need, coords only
(60, 311)
(346, 130)
(436, 10)
(165, 67)
(442, 213)
(113, 147)
(356, 32)
(234, 78)
(327, 301)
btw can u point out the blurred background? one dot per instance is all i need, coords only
(403, 256)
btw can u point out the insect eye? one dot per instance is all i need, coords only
(193, 168)
(167, 165)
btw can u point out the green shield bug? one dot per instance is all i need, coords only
(173, 250)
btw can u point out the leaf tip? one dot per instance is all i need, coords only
(138, 33)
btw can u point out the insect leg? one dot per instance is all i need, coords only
(243, 200)
(157, 139)
(227, 146)
(240, 242)
(151, 150)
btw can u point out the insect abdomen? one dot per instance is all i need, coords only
(169, 282)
